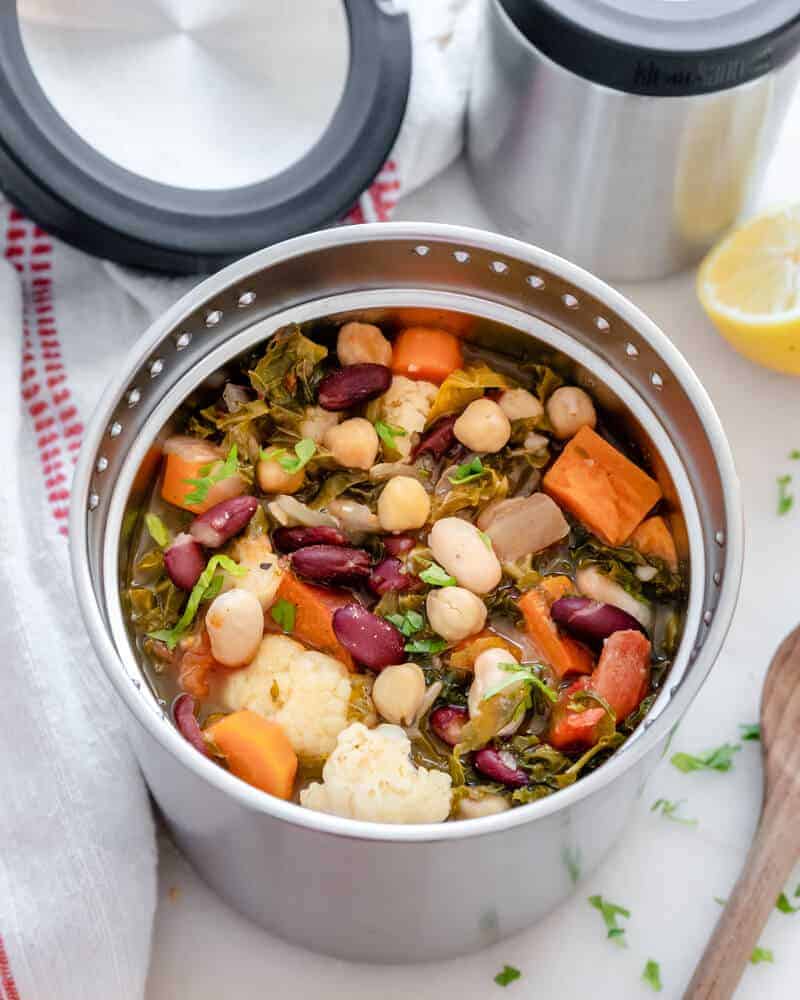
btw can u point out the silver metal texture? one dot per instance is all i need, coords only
(629, 187)
(390, 893)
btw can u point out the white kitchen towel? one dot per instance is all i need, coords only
(77, 849)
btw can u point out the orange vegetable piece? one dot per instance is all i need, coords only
(653, 538)
(426, 353)
(574, 729)
(257, 750)
(560, 652)
(185, 457)
(314, 608)
(196, 664)
(601, 487)
(468, 650)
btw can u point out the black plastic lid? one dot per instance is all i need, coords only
(664, 48)
(71, 190)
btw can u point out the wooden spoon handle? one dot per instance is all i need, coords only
(768, 865)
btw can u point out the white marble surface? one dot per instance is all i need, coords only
(665, 873)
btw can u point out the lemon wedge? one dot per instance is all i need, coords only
(749, 284)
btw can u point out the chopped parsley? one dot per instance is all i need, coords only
(207, 478)
(304, 451)
(669, 810)
(750, 731)
(794, 453)
(652, 975)
(283, 613)
(507, 975)
(467, 471)
(486, 540)
(437, 577)
(785, 498)
(784, 905)
(719, 759)
(387, 433)
(406, 623)
(761, 955)
(609, 913)
(425, 646)
(158, 531)
(205, 589)
(516, 673)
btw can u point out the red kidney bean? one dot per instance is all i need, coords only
(396, 545)
(438, 440)
(448, 721)
(184, 561)
(332, 564)
(291, 539)
(373, 641)
(500, 765)
(352, 385)
(390, 575)
(186, 721)
(224, 520)
(591, 621)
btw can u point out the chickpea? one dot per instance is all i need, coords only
(398, 693)
(273, 478)
(455, 613)
(363, 343)
(569, 409)
(483, 426)
(403, 505)
(316, 422)
(458, 546)
(235, 624)
(488, 674)
(519, 404)
(263, 570)
(481, 805)
(353, 443)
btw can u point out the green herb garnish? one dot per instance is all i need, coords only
(407, 623)
(467, 471)
(609, 913)
(669, 810)
(172, 636)
(508, 975)
(750, 731)
(425, 646)
(387, 433)
(486, 540)
(784, 905)
(785, 498)
(435, 576)
(283, 613)
(652, 974)
(720, 759)
(208, 478)
(159, 532)
(518, 673)
(304, 451)
(794, 453)
(761, 955)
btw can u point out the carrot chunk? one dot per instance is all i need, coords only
(426, 353)
(314, 608)
(653, 538)
(257, 750)
(562, 653)
(468, 650)
(601, 487)
(185, 458)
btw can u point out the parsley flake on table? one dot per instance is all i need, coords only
(652, 975)
(207, 478)
(750, 731)
(304, 451)
(387, 433)
(669, 810)
(785, 498)
(784, 905)
(284, 613)
(719, 759)
(157, 530)
(794, 453)
(507, 975)
(467, 471)
(610, 912)
(761, 955)
(435, 576)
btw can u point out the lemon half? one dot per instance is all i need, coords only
(749, 285)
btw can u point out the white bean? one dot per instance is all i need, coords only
(403, 504)
(569, 409)
(483, 426)
(398, 692)
(235, 624)
(455, 613)
(363, 343)
(599, 587)
(458, 546)
(519, 404)
(353, 443)
(484, 805)
(488, 674)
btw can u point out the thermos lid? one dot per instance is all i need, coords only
(181, 134)
(664, 48)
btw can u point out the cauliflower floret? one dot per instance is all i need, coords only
(370, 776)
(406, 404)
(307, 692)
(316, 422)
